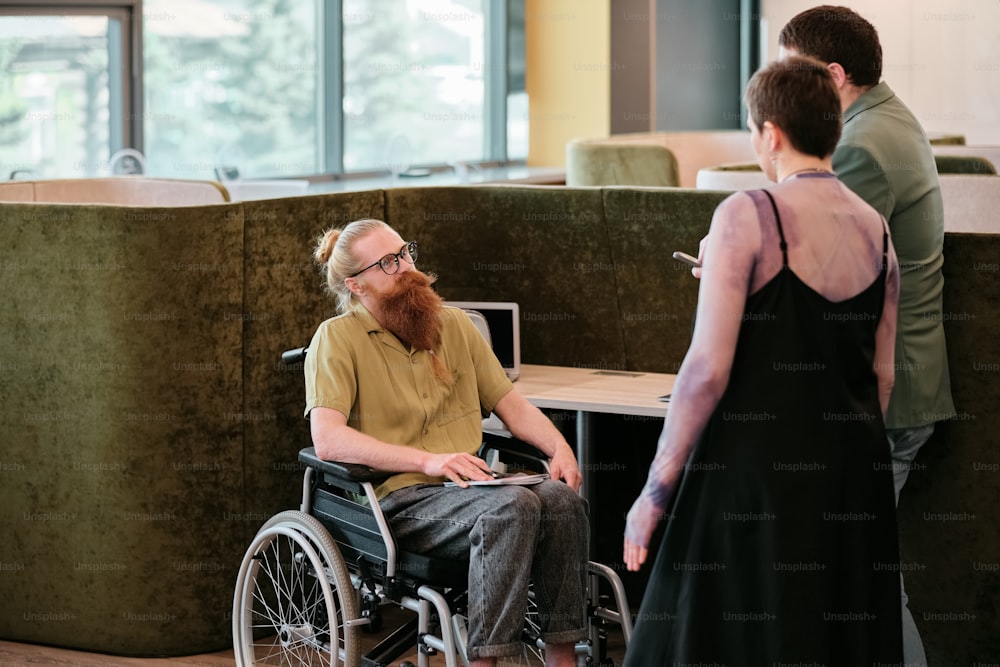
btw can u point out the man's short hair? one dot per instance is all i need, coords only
(835, 34)
(798, 95)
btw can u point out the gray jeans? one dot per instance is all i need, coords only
(510, 534)
(905, 443)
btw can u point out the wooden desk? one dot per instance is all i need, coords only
(588, 392)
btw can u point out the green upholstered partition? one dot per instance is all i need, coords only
(949, 523)
(148, 426)
(657, 294)
(946, 164)
(284, 302)
(122, 457)
(544, 247)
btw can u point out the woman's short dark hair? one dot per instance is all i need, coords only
(835, 34)
(798, 95)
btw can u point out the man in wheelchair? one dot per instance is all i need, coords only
(400, 382)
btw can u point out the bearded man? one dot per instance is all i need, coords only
(400, 382)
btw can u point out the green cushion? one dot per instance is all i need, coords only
(736, 167)
(946, 139)
(963, 164)
(594, 162)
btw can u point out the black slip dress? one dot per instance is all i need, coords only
(781, 544)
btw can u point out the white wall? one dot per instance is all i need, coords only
(941, 58)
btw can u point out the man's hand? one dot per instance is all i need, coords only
(563, 466)
(527, 423)
(458, 467)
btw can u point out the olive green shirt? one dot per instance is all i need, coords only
(884, 156)
(390, 392)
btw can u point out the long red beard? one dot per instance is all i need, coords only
(412, 312)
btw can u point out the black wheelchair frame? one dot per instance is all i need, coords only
(315, 577)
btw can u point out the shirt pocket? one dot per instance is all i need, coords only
(449, 418)
(463, 432)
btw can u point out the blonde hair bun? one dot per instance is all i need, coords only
(325, 245)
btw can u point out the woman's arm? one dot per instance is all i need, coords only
(732, 247)
(885, 335)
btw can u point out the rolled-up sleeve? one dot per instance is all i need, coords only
(331, 381)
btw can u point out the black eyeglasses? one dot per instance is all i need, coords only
(390, 263)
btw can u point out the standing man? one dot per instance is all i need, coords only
(399, 382)
(884, 156)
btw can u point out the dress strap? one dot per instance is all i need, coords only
(885, 245)
(781, 232)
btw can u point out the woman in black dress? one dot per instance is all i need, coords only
(773, 468)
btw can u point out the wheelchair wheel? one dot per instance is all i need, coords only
(532, 653)
(294, 602)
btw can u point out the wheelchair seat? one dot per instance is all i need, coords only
(340, 504)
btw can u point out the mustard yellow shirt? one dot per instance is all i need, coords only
(390, 392)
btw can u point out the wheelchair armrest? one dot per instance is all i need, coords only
(349, 472)
(509, 447)
(515, 451)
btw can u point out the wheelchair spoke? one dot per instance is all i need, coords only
(265, 565)
(293, 598)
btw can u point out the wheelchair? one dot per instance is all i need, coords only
(314, 578)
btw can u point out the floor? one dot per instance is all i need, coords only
(31, 655)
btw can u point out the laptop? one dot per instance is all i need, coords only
(503, 320)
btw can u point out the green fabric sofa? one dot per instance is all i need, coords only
(149, 426)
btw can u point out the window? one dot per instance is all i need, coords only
(231, 83)
(413, 83)
(64, 91)
(271, 87)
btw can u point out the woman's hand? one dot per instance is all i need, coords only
(639, 526)
(696, 270)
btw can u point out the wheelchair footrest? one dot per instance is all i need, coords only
(400, 641)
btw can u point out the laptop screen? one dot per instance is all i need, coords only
(503, 319)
